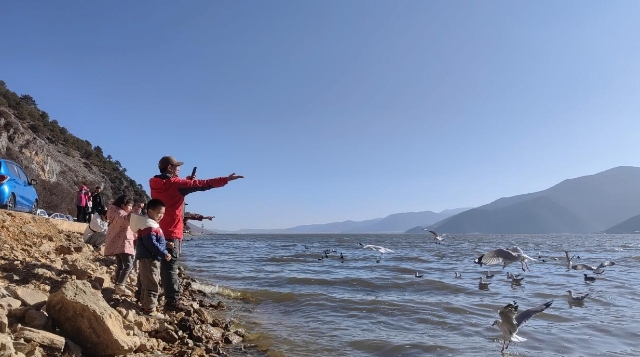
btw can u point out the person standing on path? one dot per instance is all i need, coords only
(82, 198)
(97, 201)
(172, 189)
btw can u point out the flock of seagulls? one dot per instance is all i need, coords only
(510, 319)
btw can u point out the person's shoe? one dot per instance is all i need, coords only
(123, 291)
(153, 314)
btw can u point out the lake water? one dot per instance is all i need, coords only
(357, 308)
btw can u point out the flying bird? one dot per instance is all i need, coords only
(504, 256)
(437, 238)
(511, 321)
(378, 248)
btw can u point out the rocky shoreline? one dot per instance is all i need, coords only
(57, 299)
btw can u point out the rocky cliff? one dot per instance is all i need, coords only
(59, 160)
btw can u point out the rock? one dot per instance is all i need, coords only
(36, 319)
(4, 293)
(78, 248)
(64, 250)
(168, 336)
(42, 337)
(198, 352)
(11, 277)
(240, 332)
(82, 314)
(24, 347)
(44, 273)
(97, 282)
(72, 349)
(78, 272)
(10, 303)
(204, 333)
(232, 338)
(187, 324)
(36, 352)
(6, 345)
(4, 320)
(28, 296)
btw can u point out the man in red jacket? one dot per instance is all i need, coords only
(171, 189)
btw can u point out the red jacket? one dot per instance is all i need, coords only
(172, 190)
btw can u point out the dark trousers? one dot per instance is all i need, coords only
(80, 215)
(124, 265)
(169, 274)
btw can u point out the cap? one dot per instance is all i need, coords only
(169, 160)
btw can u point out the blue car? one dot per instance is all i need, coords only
(16, 190)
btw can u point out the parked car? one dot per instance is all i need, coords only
(69, 218)
(59, 216)
(16, 190)
(42, 213)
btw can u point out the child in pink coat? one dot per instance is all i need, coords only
(120, 241)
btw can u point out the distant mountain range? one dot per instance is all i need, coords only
(629, 226)
(394, 223)
(586, 204)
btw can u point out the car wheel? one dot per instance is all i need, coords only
(11, 203)
(34, 208)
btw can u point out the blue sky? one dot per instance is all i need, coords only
(337, 110)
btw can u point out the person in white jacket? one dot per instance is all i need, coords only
(96, 231)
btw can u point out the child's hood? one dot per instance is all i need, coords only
(139, 222)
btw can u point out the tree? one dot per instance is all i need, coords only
(117, 163)
(28, 100)
(109, 158)
(98, 150)
(124, 171)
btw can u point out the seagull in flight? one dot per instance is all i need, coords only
(576, 299)
(504, 256)
(378, 248)
(510, 321)
(599, 269)
(437, 237)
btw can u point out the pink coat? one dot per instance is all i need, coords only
(120, 238)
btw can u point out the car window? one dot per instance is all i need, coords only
(22, 174)
(13, 170)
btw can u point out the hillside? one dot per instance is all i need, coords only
(59, 160)
(393, 223)
(629, 226)
(590, 203)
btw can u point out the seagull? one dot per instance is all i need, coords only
(483, 284)
(598, 271)
(604, 264)
(569, 260)
(506, 256)
(418, 275)
(377, 259)
(510, 321)
(517, 280)
(489, 276)
(321, 258)
(378, 248)
(511, 276)
(341, 256)
(589, 278)
(458, 275)
(576, 299)
(436, 237)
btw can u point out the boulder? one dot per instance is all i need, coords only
(28, 296)
(36, 319)
(42, 337)
(6, 345)
(206, 333)
(10, 303)
(82, 315)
